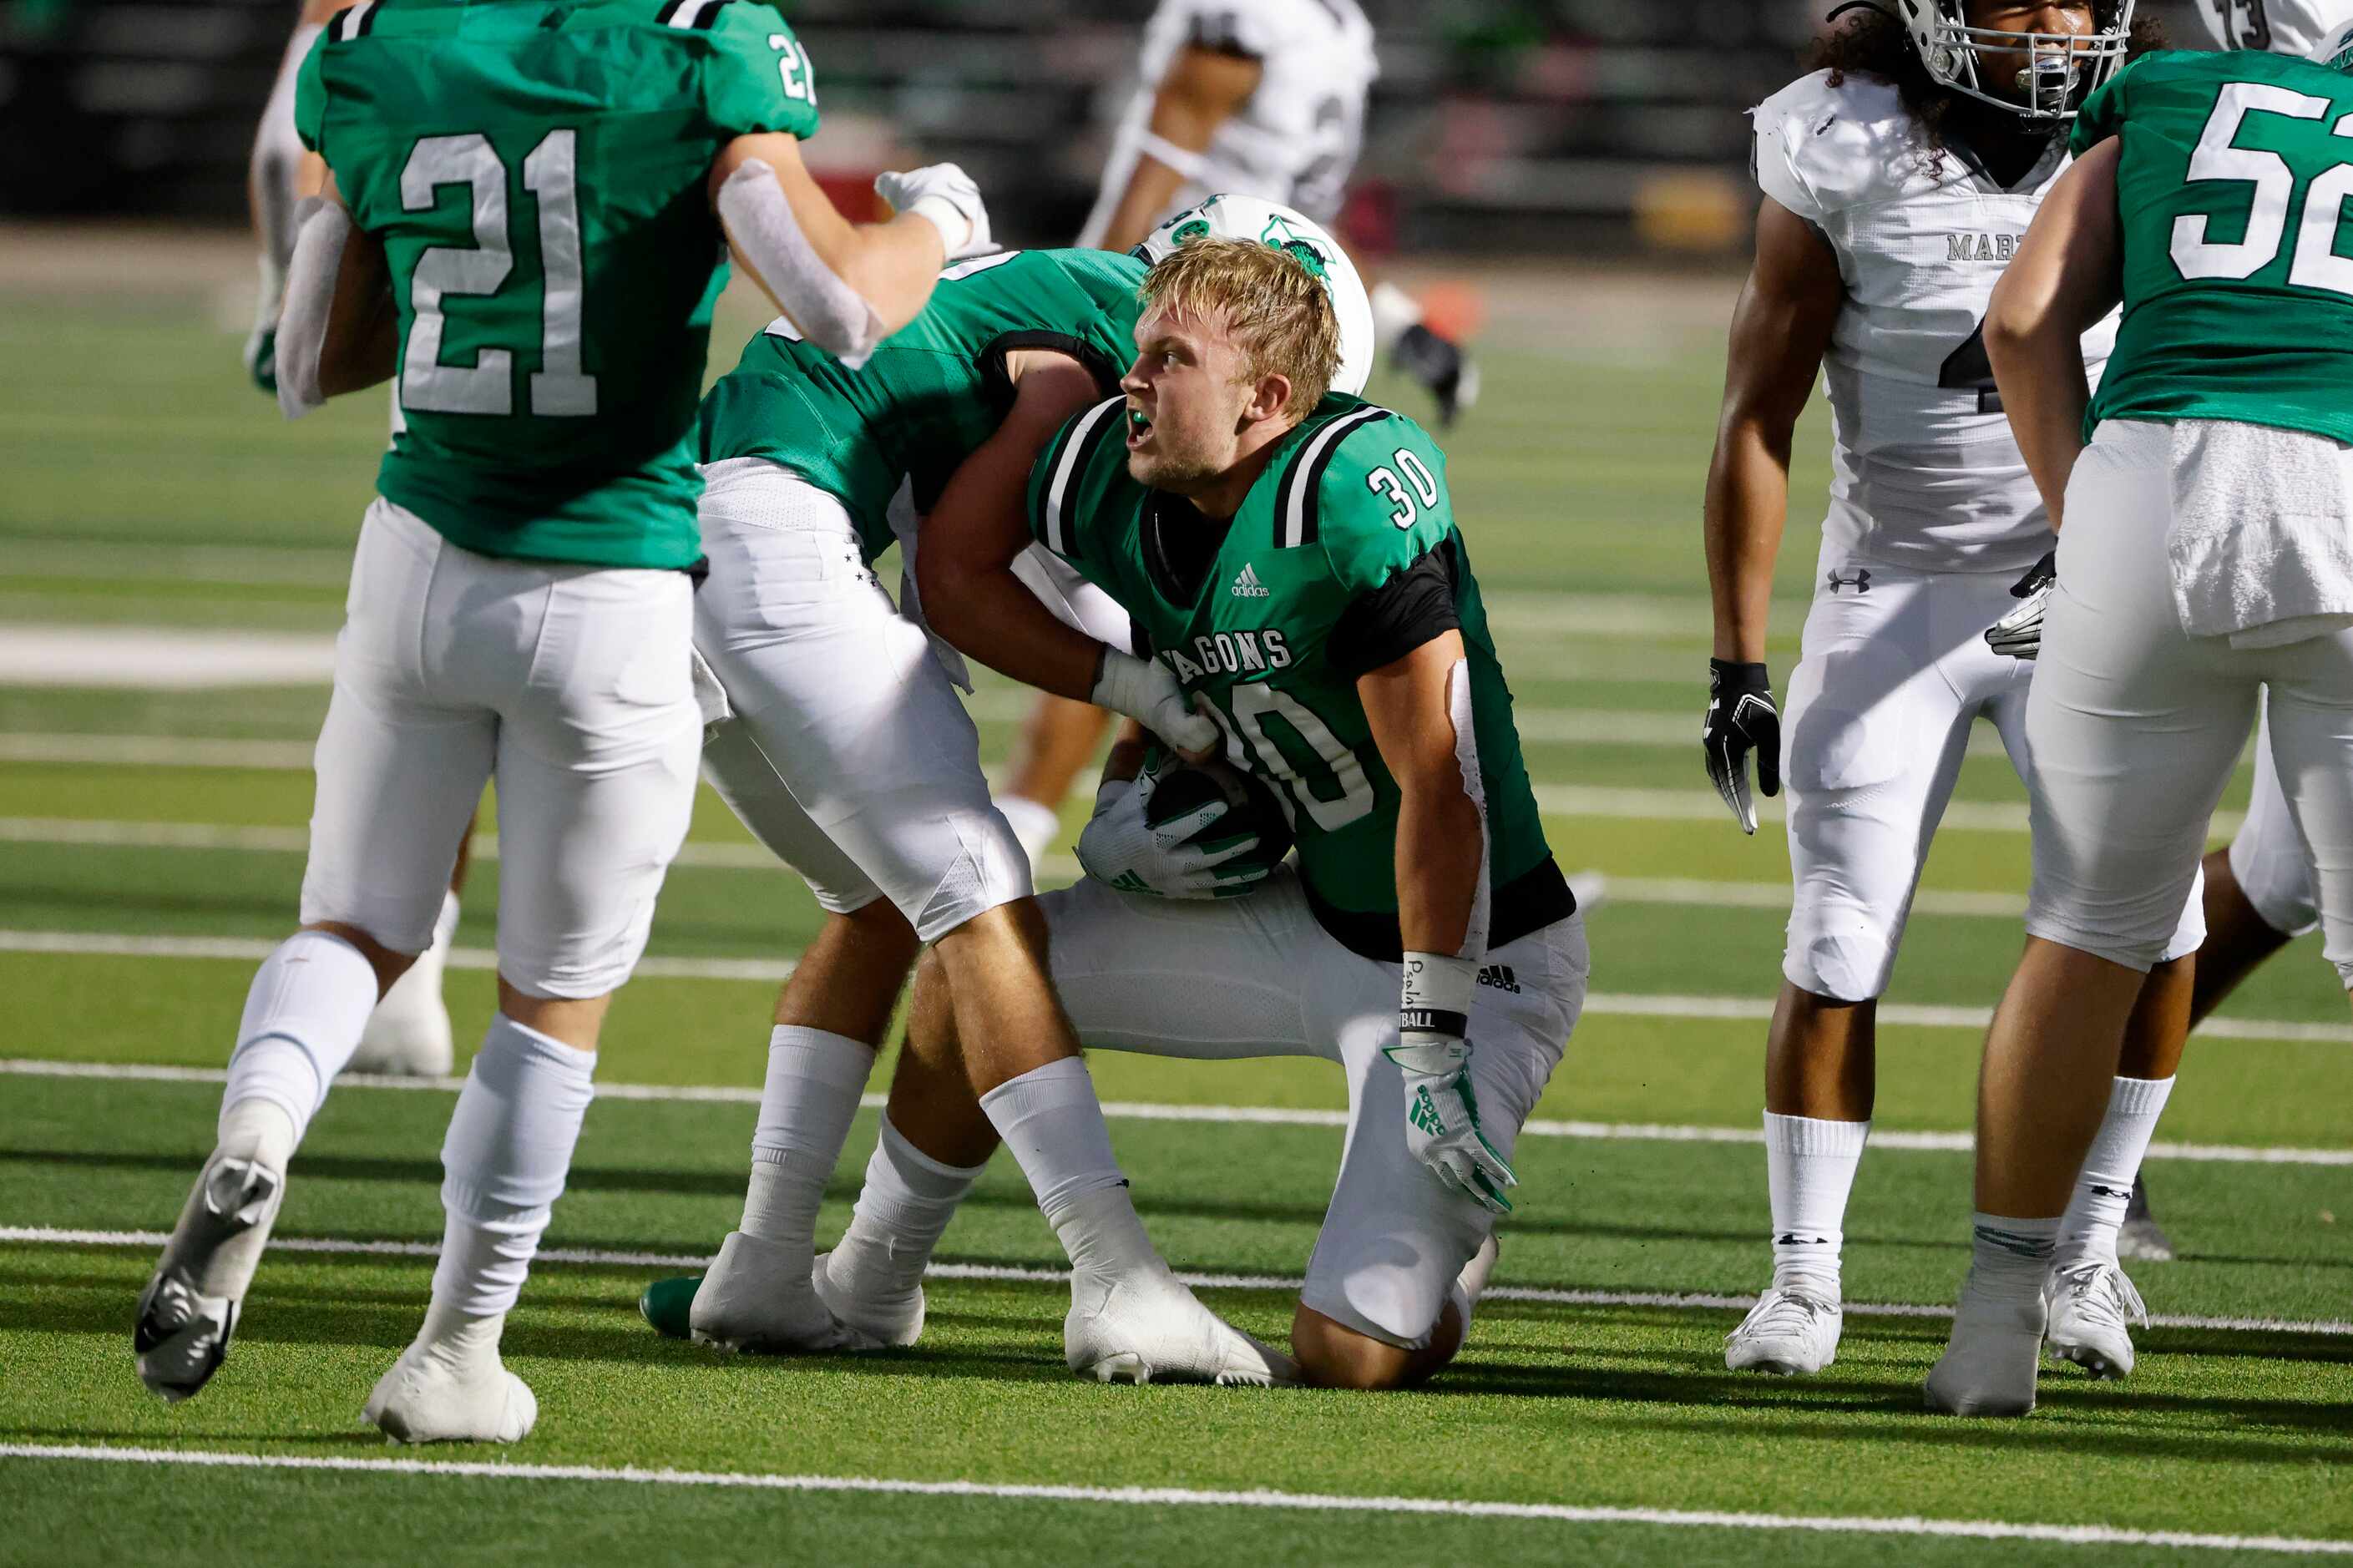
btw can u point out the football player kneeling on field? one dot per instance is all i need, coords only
(1293, 558)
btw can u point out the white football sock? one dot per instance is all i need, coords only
(1052, 1123)
(508, 1150)
(1810, 1165)
(2103, 1188)
(1393, 310)
(2010, 1258)
(467, 1343)
(806, 1104)
(902, 1211)
(1034, 823)
(304, 1015)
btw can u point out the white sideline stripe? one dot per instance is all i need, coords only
(1247, 1115)
(1600, 1003)
(1006, 1274)
(161, 657)
(1187, 1496)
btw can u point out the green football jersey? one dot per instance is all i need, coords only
(934, 391)
(1343, 556)
(536, 170)
(2238, 258)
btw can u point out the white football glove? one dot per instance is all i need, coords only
(1442, 1111)
(2020, 633)
(1145, 691)
(1119, 846)
(945, 195)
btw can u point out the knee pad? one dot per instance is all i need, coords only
(1839, 951)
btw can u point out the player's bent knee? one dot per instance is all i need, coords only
(1332, 1355)
(1838, 958)
(389, 965)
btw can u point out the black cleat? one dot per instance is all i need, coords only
(1441, 366)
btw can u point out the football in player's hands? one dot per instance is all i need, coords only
(1253, 810)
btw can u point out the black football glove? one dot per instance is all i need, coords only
(1741, 718)
(2020, 633)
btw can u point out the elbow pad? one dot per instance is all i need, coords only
(828, 311)
(321, 231)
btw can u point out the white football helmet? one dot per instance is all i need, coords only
(1272, 223)
(2062, 69)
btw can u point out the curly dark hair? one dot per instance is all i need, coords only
(1873, 42)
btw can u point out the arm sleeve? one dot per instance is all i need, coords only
(1388, 623)
(757, 76)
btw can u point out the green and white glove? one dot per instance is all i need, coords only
(1441, 1110)
(1120, 846)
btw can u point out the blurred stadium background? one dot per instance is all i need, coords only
(171, 569)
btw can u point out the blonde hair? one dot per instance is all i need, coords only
(1278, 312)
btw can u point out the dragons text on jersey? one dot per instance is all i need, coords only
(536, 173)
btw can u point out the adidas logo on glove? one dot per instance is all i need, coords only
(1246, 585)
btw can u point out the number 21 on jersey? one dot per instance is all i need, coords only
(428, 383)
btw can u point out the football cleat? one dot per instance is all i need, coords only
(1450, 374)
(188, 1312)
(1788, 1333)
(1988, 1368)
(428, 1398)
(758, 1299)
(894, 1322)
(2091, 1306)
(1144, 1326)
(2140, 1237)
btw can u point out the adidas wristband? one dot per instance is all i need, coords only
(1434, 993)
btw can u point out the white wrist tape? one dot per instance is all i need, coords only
(1434, 993)
(956, 229)
(321, 229)
(1133, 686)
(828, 311)
(1184, 160)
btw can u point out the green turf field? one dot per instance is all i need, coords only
(155, 514)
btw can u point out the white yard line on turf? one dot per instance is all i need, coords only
(1185, 1496)
(1600, 1003)
(990, 1273)
(1246, 1115)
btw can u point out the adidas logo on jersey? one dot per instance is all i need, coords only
(1500, 977)
(1246, 585)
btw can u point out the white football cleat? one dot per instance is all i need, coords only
(760, 1299)
(428, 1398)
(1989, 1367)
(1788, 1333)
(2091, 1304)
(189, 1310)
(408, 1035)
(1144, 1326)
(894, 1322)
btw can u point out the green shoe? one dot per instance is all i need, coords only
(666, 1304)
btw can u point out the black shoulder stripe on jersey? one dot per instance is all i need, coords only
(998, 386)
(1297, 503)
(1078, 450)
(697, 14)
(355, 22)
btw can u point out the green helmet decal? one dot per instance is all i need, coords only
(1188, 231)
(1278, 234)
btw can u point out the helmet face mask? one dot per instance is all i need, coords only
(2060, 70)
(1292, 232)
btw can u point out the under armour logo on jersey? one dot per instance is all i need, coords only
(1858, 580)
(1246, 585)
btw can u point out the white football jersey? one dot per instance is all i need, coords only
(1925, 470)
(1295, 140)
(2280, 26)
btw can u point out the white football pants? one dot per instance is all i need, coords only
(1223, 979)
(1894, 672)
(570, 685)
(2267, 858)
(2138, 725)
(850, 755)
